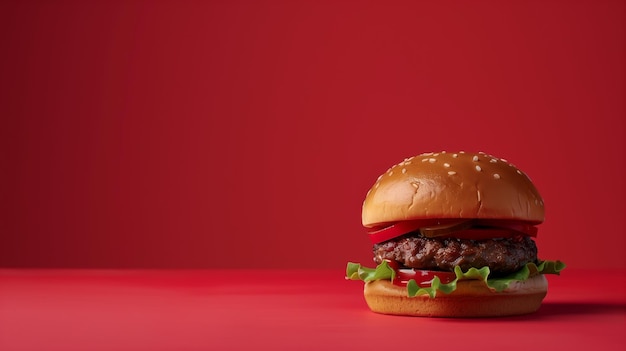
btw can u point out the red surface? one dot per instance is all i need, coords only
(280, 309)
(204, 133)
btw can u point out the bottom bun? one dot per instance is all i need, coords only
(472, 298)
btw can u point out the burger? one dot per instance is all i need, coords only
(453, 236)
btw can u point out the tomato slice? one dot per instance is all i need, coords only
(476, 229)
(380, 234)
(392, 231)
(423, 278)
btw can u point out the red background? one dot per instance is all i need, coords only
(246, 133)
(275, 309)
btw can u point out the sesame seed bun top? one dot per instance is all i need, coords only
(452, 185)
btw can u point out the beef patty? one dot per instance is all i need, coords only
(501, 255)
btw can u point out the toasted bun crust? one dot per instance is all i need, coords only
(472, 298)
(452, 185)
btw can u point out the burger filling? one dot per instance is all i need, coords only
(501, 255)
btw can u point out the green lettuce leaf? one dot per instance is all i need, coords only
(383, 271)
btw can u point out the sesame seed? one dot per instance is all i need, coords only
(519, 172)
(452, 173)
(478, 195)
(379, 177)
(480, 152)
(432, 160)
(503, 160)
(475, 158)
(403, 170)
(390, 173)
(377, 185)
(455, 155)
(407, 162)
(446, 165)
(478, 168)
(496, 176)
(461, 152)
(493, 160)
(427, 153)
(415, 185)
(424, 159)
(443, 152)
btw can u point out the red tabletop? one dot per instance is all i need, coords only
(280, 309)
